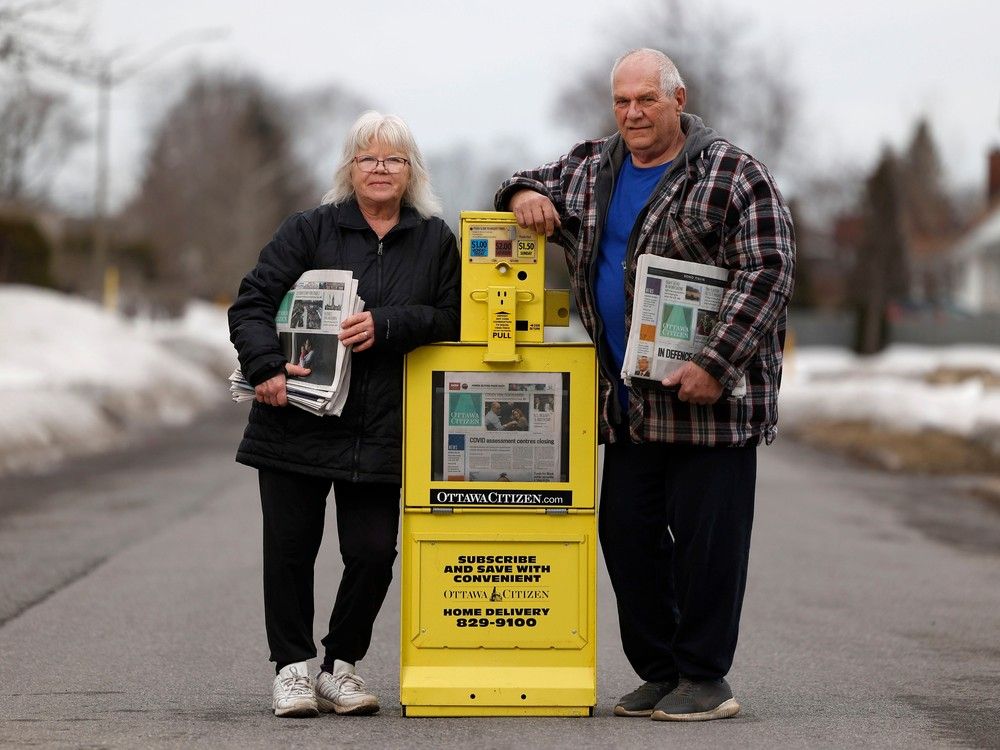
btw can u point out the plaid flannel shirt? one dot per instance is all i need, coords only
(715, 205)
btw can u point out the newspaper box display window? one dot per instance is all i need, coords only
(510, 427)
(499, 526)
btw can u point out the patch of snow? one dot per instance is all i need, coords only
(77, 379)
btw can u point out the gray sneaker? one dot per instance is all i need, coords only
(343, 692)
(697, 700)
(292, 693)
(642, 700)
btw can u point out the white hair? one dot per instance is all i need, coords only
(670, 77)
(391, 132)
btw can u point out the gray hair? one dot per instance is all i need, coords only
(392, 132)
(670, 77)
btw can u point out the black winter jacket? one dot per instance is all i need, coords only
(410, 283)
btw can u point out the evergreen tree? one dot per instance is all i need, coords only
(881, 271)
(929, 209)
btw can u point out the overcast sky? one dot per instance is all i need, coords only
(483, 73)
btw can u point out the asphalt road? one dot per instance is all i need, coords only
(130, 616)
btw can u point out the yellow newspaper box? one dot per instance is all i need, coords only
(499, 527)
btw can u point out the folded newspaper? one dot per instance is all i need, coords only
(308, 322)
(674, 309)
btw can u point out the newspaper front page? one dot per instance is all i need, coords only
(501, 427)
(308, 324)
(674, 310)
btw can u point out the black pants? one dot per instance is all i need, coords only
(675, 524)
(294, 506)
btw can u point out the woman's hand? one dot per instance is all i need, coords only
(272, 391)
(358, 330)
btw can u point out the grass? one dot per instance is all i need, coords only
(929, 452)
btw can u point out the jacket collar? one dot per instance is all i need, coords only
(349, 216)
(698, 137)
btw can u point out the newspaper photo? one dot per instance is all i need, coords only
(674, 309)
(308, 324)
(501, 427)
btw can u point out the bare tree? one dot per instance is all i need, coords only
(741, 88)
(220, 177)
(38, 127)
(318, 120)
(35, 35)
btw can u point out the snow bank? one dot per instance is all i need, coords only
(77, 379)
(890, 389)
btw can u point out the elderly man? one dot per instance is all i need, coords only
(493, 421)
(680, 457)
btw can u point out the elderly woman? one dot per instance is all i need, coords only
(379, 222)
(517, 420)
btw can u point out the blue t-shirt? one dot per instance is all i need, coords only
(634, 187)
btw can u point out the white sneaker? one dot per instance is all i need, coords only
(343, 692)
(292, 692)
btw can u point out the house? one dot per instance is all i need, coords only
(976, 267)
(975, 258)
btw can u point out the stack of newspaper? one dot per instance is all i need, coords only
(674, 310)
(308, 323)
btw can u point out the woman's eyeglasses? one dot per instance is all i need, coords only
(392, 164)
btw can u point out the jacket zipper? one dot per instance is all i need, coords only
(616, 412)
(364, 382)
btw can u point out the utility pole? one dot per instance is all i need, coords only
(105, 76)
(103, 81)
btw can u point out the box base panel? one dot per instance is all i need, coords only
(456, 711)
(498, 691)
